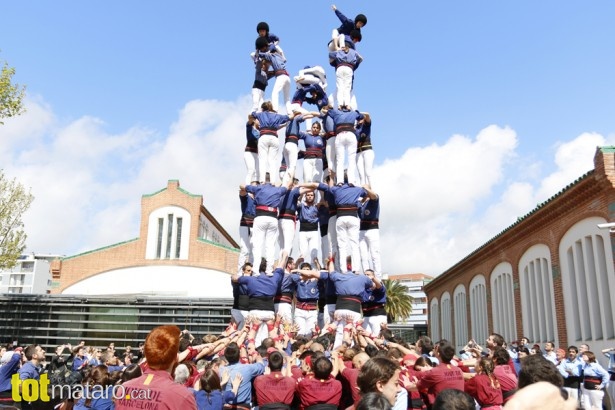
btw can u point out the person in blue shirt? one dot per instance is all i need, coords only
(345, 61)
(312, 160)
(373, 305)
(346, 199)
(246, 224)
(570, 369)
(291, 144)
(369, 232)
(610, 354)
(338, 35)
(265, 226)
(9, 365)
(306, 306)
(268, 122)
(365, 151)
(31, 369)
(241, 300)
(273, 41)
(282, 80)
(345, 121)
(309, 236)
(261, 76)
(349, 288)
(250, 154)
(595, 380)
(261, 292)
(210, 396)
(98, 391)
(248, 372)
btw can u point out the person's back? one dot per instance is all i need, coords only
(322, 389)
(156, 385)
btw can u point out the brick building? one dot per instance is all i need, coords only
(181, 251)
(549, 276)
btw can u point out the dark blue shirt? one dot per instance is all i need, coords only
(344, 194)
(270, 121)
(252, 135)
(350, 284)
(376, 296)
(307, 289)
(288, 203)
(266, 194)
(262, 285)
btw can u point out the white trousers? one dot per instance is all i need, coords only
(308, 244)
(343, 85)
(264, 234)
(592, 399)
(258, 96)
(365, 164)
(347, 228)
(245, 247)
(290, 156)
(284, 310)
(263, 330)
(251, 160)
(373, 323)
(324, 247)
(282, 84)
(333, 246)
(268, 148)
(345, 141)
(306, 320)
(343, 317)
(369, 245)
(312, 170)
(330, 154)
(286, 234)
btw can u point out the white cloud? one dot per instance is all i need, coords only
(439, 202)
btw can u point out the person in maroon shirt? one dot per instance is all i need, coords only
(274, 390)
(323, 389)
(443, 376)
(484, 387)
(156, 385)
(506, 377)
(351, 373)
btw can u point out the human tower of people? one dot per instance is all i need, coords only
(337, 210)
(305, 336)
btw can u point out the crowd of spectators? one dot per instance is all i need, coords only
(173, 369)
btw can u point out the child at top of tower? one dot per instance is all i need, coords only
(343, 32)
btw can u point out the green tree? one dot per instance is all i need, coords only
(399, 302)
(14, 201)
(11, 95)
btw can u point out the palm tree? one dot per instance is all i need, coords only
(399, 302)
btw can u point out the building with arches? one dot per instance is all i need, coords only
(181, 251)
(549, 276)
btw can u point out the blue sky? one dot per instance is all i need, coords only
(481, 109)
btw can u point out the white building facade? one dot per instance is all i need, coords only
(31, 274)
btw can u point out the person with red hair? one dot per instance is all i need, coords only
(156, 383)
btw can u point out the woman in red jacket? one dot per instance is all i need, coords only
(484, 387)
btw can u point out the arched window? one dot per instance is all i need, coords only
(434, 319)
(478, 308)
(586, 259)
(445, 312)
(168, 233)
(537, 302)
(503, 302)
(461, 316)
